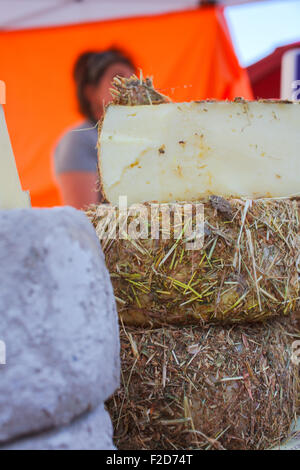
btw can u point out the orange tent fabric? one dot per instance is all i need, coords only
(189, 54)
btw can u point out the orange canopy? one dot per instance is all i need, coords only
(189, 54)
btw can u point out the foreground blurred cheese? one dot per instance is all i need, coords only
(11, 194)
(184, 151)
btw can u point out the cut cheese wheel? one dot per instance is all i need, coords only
(11, 194)
(186, 151)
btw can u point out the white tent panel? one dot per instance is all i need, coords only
(15, 14)
(20, 14)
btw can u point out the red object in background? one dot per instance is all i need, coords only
(189, 54)
(265, 75)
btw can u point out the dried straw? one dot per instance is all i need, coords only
(205, 388)
(248, 269)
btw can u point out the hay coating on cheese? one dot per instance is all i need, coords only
(246, 271)
(205, 388)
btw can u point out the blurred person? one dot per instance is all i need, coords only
(75, 156)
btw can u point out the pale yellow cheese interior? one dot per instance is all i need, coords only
(11, 194)
(184, 151)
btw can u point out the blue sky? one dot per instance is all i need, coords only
(258, 28)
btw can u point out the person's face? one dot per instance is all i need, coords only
(99, 95)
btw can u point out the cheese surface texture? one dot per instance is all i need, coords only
(186, 151)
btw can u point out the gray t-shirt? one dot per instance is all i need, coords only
(76, 149)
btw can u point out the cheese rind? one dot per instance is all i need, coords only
(186, 151)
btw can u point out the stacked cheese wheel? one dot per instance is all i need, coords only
(239, 162)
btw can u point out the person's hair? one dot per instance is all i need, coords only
(89, 69)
